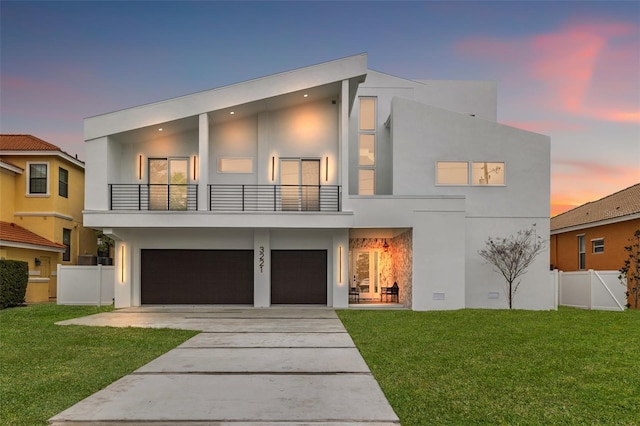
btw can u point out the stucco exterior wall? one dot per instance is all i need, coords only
(564, 246)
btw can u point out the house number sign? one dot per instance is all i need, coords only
(261, 258)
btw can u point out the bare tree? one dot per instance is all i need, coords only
(512, 256)
(630, 272)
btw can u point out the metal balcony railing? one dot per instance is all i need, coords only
(153, 197)
(280, 198)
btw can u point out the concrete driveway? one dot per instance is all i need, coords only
(248, 366)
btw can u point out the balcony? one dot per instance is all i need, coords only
(227, 198)
(275, 198)
(153, 197)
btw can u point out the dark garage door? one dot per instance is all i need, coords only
(299, 276)
(196, 276)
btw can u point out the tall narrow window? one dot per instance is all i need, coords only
(63, 183)
(38, 175)
(300, 184)
(66, 240)
(582, 256)
(367, 146)
(168, 188)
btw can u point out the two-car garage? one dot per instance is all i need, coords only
(180, 276)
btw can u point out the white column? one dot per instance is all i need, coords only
(343, 146)
(203, 162)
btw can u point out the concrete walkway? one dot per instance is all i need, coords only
(262, 367)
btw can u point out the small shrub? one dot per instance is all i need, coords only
(14, 275)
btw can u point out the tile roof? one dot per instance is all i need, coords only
(25, 143)
(4, 161)
(617, 205)
(11, 232)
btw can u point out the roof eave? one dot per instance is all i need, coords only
(16, 244)
(595, 224)
(352, 68)
(60, 154)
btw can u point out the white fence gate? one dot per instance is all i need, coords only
(85, 285)
(600, 290)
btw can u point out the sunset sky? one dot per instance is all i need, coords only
(570, 70)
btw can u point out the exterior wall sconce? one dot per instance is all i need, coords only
(122, 264)
(326, 169)
(273, 169)
(37, 261)
(340, 264)
(385, 246)
(139, 167)
(194, 168)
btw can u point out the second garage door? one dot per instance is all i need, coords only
(196, 276)
(299, 277)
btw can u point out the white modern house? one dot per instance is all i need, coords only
(322, 185)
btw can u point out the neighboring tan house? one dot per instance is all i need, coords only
(593, 235)
(42, 193)
(322, 185)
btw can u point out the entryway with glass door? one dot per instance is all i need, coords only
(365, 275)
(168, 178)
(300, 184)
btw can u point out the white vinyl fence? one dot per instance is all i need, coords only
(600, 290)
(85, 285)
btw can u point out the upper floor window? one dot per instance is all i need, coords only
(38, 179)
(598, 245)
(463, 172)
(485, 173)
(66, 240)
(63, 183)
(581, 252)
(235, 165)
(452, 173)
(367, 146)
(368, 114)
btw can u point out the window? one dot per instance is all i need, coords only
(581, 252)
(38, 177)
(168, 183)
(367, 146)
(63, 183)
(452, 173)
(598, 245)
(366, 182)
(235, 165)
(367, 156)
(485, 173)
(66, 240)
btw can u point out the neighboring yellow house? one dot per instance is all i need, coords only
(41, 202)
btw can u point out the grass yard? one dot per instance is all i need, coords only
(45, 368)
(569, 367)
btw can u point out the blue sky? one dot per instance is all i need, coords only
(567, 69)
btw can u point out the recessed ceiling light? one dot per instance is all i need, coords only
(305, 95)
(232, 112)
(160, 129)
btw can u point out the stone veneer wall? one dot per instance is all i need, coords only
(402, 247)
(395, 265)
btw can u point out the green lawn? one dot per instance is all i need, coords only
(569, 367)
(45, 368)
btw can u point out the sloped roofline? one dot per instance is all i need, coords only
(616, 207)
(349, 68)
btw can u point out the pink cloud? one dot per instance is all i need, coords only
(585, 68)
(577, 182)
